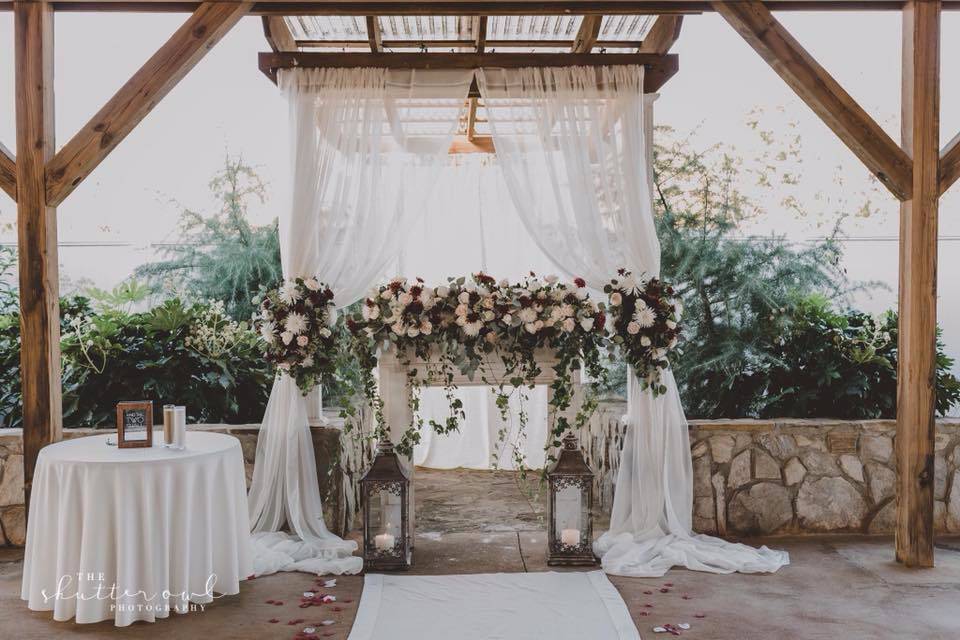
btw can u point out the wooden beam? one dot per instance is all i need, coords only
(950, 164)
(124, 111)
(277, 33)
(8, 172)
(373, 35)
(811, 82)
(480, 34)
(475, 7)
(36, 235)
(587, 34)
(658, 69)
(662, 35)
(917, 334)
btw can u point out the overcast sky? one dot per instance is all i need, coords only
(226, 104)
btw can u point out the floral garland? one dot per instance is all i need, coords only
(294, 322)
(462, 323)
(645, 325)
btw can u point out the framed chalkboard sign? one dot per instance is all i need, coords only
(135, 424)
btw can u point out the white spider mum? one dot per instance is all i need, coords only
(295, 323)
(644, 316)
(289, 292)
(266, 331)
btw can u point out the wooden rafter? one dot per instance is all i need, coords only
(8, 172)
(480, 34)
(950, 164)
(373, 34)
(917, 323)
(474, 7)
(658, 69)
(662, 35)
(587, 34)
(815, 86)
(277, 33)
(188, 45)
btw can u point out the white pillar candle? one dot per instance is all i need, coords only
(570, 536)
(384, 541)
(180, 428)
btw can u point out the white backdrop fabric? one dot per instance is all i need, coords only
(366, 144)
(575, 147)
(471, 225)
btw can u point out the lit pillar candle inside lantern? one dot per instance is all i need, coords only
(570, 536)
(384, 541)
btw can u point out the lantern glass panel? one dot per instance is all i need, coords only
(386, 517)
(570, 513)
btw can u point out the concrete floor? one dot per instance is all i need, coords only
(478, 522)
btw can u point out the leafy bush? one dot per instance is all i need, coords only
(193, 355)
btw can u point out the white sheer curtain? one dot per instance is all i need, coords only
(366, 146)
(471, 225)
(573, 144)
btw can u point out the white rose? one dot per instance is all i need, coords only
(581, 294)
(426, 327)
(507, 318)
(303, 340)
(443, 292)
(616, 298)
(527, 315)
(488, 303)
(286, 336)
(405, 298)
(504, 283)
(567, 310)
(326, 333)
(398, 328)
(312, 284)
(489, 315)
(413, 332)
(386, 294)
(633, 328)
(462, 310)
(530, 327)
(551, 279)
(464, 297)
(671, 324)
(569, 325)
(673, 343)
(587, 324)
(644, 341)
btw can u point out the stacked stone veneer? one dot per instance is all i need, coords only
(789, 476)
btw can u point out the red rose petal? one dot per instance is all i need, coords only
(649, 593)
(686, 597)
(648, 606)
(699, 615)
(278, 603)
(269, 601)
(273, 621)
(347, 601)
(664, 590)
(668, 584)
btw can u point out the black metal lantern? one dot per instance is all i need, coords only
(570, 539)
(385, 491)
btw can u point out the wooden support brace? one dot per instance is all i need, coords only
(587, 34)
(36, 235)
(8, 172)
(950, 164)
(373, 34)
(917, 339)
(188, 45)
(480, 34)
(278, 35)
(811, 82)
(662, 35)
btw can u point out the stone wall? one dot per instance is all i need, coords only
(340, 463)
(789, 476)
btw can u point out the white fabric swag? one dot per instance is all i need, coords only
(575, 146)
(361, 168)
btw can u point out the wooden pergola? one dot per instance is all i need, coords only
(472, 33)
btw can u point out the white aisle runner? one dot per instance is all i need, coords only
(493, 606)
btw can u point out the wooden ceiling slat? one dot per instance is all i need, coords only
(373, 34)
(587, 34)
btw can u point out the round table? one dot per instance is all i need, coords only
(131, 534)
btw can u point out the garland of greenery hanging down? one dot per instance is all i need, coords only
(464, 324)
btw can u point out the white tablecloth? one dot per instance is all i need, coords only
(131, 534)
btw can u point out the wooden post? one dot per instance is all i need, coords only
(36, 234)
(916, 376)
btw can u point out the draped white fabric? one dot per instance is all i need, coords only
(366, 146)
(471, 225)
(574, 147)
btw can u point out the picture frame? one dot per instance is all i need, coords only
(135, 424)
